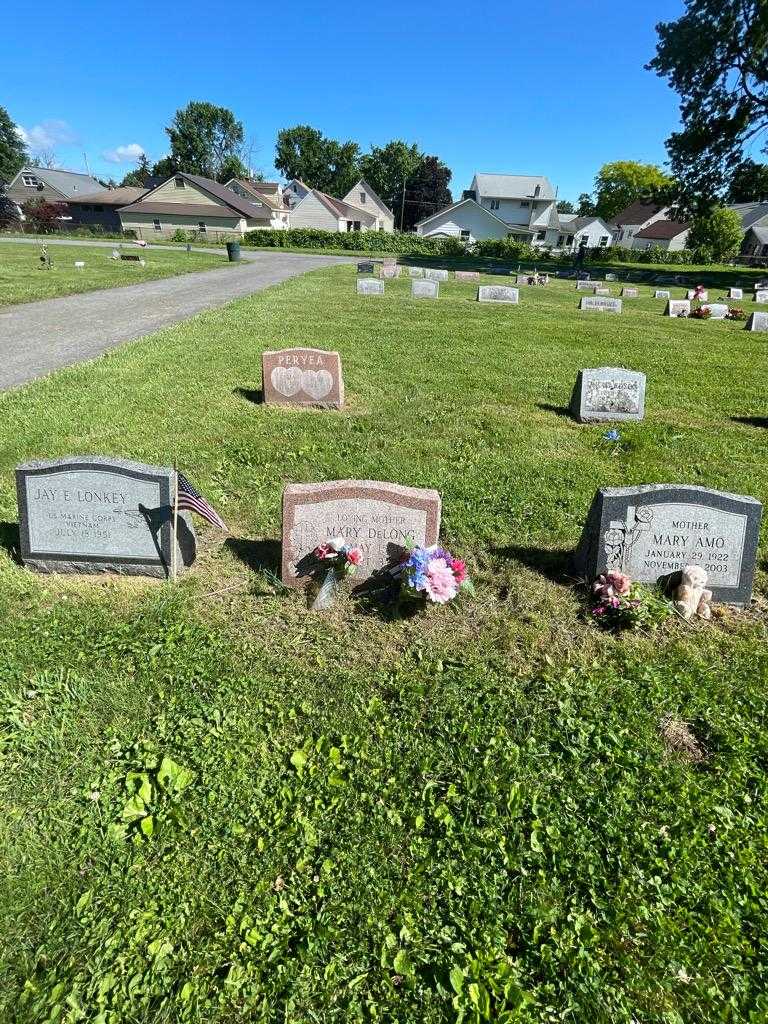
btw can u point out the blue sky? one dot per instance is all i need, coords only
(552, 87)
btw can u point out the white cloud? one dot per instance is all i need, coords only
(124, 154)
(46, 135)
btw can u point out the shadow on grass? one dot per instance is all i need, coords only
(257, 555)
(556, 566)
(10, 540)
(257, 397)
(751, 421)
(558, 410)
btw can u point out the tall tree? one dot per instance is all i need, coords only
(140, 174)
(305, 153)
(388, 169)
(426, 192)
(13, 152)
(165, 167)
(749, 182)
(716, 57)
(623, 182)
(716, 235)
(565, 206)
(586, 207)
(205, 139)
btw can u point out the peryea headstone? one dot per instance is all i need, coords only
(379, 518)
(302, 376)
(601, 304)
(498, 293)
(735, 293)
(629, 293)
(761, 295)
(389, 270)
(717, 310)
(436, 275)
(365, 267)
(425, 289)
(89, 514)
(467, 275)
(661, 293)
(415, 271)
(653, 531)
(677, 306)
(757, 322)
(370, 286)
(608, 393)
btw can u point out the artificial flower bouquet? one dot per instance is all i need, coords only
(335, 561)
(432, 575)
(735, 313)
(700, 313)
(619, 602)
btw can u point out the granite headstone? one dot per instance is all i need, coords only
(757, 322)
(388, 271)
(629, 293)
(498, 293)
(369, 286)
(302, 376)
(436, 275)
(425, 289)
(608, 393)
(761, 295)
(735, 293)
(467, 275)
(677, 306)
(366, 267)
(415, 271)
(662, 293)
(717, 310)
(600, 303)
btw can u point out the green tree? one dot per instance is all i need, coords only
(13, 152)
(165, 167)
(388, 169)
(205, 139)
(565, 206)
(9, 213)
(141, 173)
(426, 192)
(716, 235)
(623, 182)
(749, 182)
(715, 56)
(305, 153)
(586, 207)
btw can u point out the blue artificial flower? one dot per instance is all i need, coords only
(612, 435)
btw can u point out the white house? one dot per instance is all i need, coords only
(360, 210)
(670, 235)
(294, 192)
(575, 232)
(364, 198)
(636, 217)
(526, 203)
(465, 220)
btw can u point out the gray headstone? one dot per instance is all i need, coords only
(585, 285)
(370, 286)
(661, 293)
(436, 275)
(498, 293)
(601, 290)
(89, 514)
(735, 293)
(610, 277)
(378, 517)
(761, 295)
(415, 271)
(608, 393)
(677, 306)
(365, 267)
(652, 531)
(601, 304)
(717, 310)
(425, 289)
(629, 293)
(757, 322)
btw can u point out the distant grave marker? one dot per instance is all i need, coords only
(467, 275)
(677, 306)
(415, 271)
(425, 289)
(735, 293)
(662, 293)
(757, 322)
(436, 275)
(717, 310)
(369, 286)
(366, 267)
(388, 271)
(498, 293)
(600, 304)
(629, 293)
(761, 295)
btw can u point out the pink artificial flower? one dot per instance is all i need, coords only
(619, 582)
(323, 551)
(459, 568)
(354, 556)
(440, 584)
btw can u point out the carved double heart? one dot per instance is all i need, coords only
(290, 380)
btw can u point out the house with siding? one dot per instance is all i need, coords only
(364, 198)
(754, 224)
(189, 202)
(576, 232)
(100, 209)
(636, 217)
(669, 235)
(526, 203)
(50, 184)
(360, 209)
(466, 220)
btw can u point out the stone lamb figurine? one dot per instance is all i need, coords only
(691, 598)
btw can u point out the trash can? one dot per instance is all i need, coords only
(233, 251)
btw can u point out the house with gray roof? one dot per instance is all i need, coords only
(360, 209)
(526, 203)
(51, 184)
(754, 223)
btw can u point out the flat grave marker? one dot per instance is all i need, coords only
(677, 306)
(425, 289)
(654, 530)
(436, 275)
(608, 393)
(301, 377)
(467, 275)
(498, 293)
(600, 304)
(377, 517)
(369, 286)
(91, 514)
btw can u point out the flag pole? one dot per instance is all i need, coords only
(174, 538)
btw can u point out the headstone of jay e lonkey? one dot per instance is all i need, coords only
(379, 518)
(369, 286)
(608, 393)
(757, 322)
(425, 289)
(601, 303)
(498, 293)
(652, 531)
(302, 376)
(89, 514)
(436, 275)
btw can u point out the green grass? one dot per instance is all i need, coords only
(24, 279)
(468, 815)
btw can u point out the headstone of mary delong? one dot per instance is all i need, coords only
(88, 514)
(379, 518)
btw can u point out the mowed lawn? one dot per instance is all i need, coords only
(23, 278)
(476, 814)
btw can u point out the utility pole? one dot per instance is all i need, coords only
(402, 208)
(87, 168)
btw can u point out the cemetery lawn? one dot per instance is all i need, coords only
(218, 807)
(23, 280)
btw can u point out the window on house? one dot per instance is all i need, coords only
(464, 235)
(541, 235)
(201, 226)
(493, 204)
(156, 225)
(179, 183)
(560, 239)
(603, 241)
(29, 180)
(362, 198)
(524, 204)
(569, 240)
(98, 209)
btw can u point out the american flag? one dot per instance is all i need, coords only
(190, 498)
